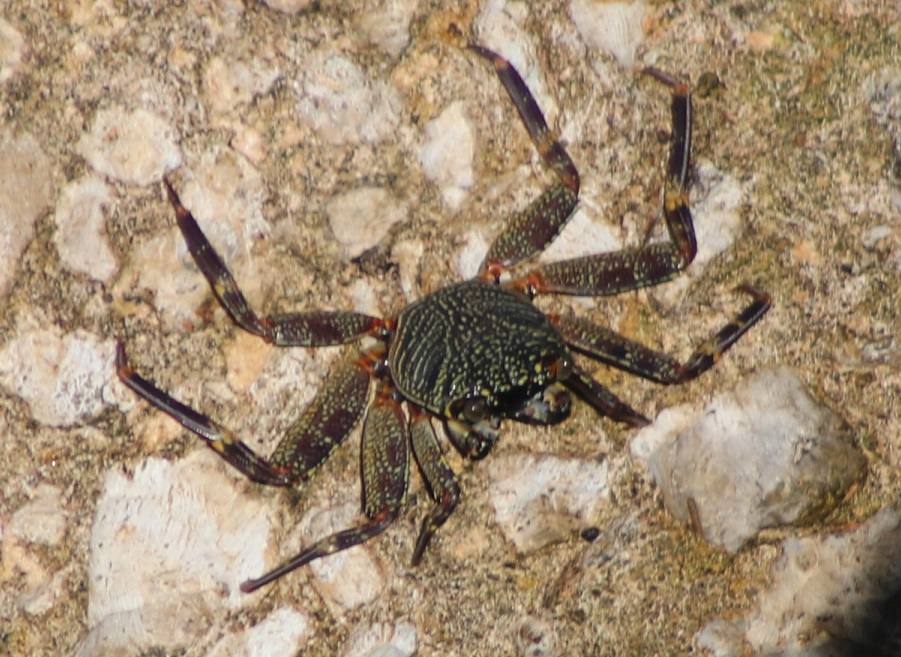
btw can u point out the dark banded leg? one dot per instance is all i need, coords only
(531, 230)
(608, 347)
(438, 476)
(312, 329)
(385, 464)
(325, 423)
(612, 273)
(602, 400)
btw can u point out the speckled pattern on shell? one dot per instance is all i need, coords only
(474, 338)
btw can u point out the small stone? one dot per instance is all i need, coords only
(361, 218)
(288, 6)
(614, 27)
(26, 191)
(347, 579)
(447, 155)
(882, 91)
(765, 455)
(80, 238)
(381, 640)
(43, 519)
(225, 195)
(63, 377)
(388, 26)
(170, 540)
(580, 237)
(13, 52)
(135, 147)
(231, 83)
(721, 638)
(342, 103)
(282, 632)
(717, 202)
(839, 586)
(535, 637)
(408, 255)
(539, 499)
(872, 236)
(500, 26)
(469, 258)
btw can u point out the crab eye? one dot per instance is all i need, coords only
(564, 367)
(475, 409)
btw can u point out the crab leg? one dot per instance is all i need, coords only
(385, 464)
(324, 424)
(602, 400)
(530, 231)
(608, 347)
(612, 273)
(313, 329)
(439, 479)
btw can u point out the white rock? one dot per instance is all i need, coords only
(13, 51)
(872, 236)
(535, 637)
(288, 6)
(135, 147)
(408, 254)
(381, 640)
(764, 455)
(582, 237)
(447, 155)
(614, 27)
(541, 499)
(716, 209)
(39, 600)
(282, 632)
(670, 422)
(347, 579)
(362, 217)
(80, 237)
(230, 83)
(26, 191)
(499, 26)
(63, 377)
(388, 26)
(721, 638)
(820, 584)
(343, 103)
(468, 259)
(41, 520)
(225, 195)
(882, 91)
(170, 541)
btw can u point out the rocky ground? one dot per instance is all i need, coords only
(349, 155)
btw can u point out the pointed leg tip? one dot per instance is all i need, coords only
(122, 368)
(249, 586)
(498, 61)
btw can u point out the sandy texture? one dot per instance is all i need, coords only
(309, 140)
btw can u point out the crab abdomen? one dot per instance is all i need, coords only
(473, 339)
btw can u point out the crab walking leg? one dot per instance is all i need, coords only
(312, 329)
(439, 479)
(608, 347)
(322, 427)
(385, 463)
(602, 400)
(612, 273)
(531, 230)
(326, 422)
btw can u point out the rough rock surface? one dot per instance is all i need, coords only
(264, 116)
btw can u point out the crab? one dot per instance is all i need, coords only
(471, 354)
